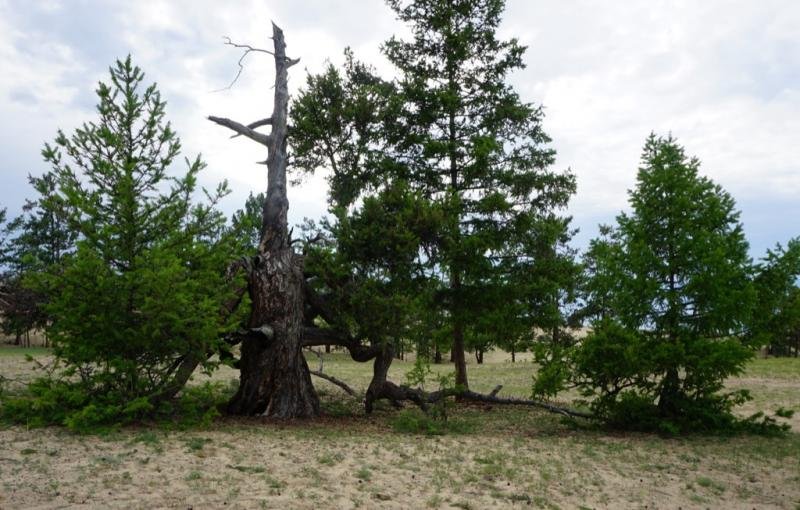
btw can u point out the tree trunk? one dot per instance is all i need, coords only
(380, 371)
(275, 379)
(459, 359)
(513, 355)
(437, 355)
(479, 356)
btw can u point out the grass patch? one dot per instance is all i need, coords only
(22, 352)
(774, 368)
(414, 421)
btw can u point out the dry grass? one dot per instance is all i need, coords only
(509, 457)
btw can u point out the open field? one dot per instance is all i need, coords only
(501, 457)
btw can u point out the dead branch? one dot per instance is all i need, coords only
(248, 50)
(395, 393)
(343, 385)
(258, 123)
(493, 399)
(242, 130)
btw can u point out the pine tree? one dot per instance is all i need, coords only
(139, 303)
(39, 240)
(672, 283)
(776, 318)
(474, 147)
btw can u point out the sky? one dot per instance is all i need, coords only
(723, 76)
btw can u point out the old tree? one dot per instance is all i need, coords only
(288, 310)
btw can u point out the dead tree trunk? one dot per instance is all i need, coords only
(275, 379)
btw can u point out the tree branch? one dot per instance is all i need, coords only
(343, 385)
(258, 123)
(313, 336)
(242, 130)
(248, 49)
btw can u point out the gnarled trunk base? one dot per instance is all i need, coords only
(275, 380)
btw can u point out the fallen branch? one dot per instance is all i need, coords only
(493, 399)
(338, 382)
(395, 393)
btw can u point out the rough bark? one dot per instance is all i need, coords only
(275, 380)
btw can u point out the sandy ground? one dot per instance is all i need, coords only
(516, 458)
(270, 466)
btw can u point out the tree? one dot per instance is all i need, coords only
(672, 280)
(41, 239)
(472, 146)
(275, 378)
(141, 301)
(776, 318)
(352, 266)
(450, 130)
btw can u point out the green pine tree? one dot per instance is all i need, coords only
(144, 290)
(452, 132)
(479, 152)
(671, 283)
(776, 319)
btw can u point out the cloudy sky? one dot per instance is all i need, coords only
(722, 75)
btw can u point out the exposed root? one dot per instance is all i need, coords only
(395, 394)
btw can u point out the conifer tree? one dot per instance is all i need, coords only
(451, 130)
(776, 319)
(139, 303)
(671, 283)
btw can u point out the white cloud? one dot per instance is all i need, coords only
(723, 76)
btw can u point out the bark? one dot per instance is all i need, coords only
(459, 358)
(275, 380)
(437, 355)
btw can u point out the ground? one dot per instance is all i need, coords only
(495, 457)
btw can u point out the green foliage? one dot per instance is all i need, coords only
(441, 178)
(38, 241)
(246, 224)
(49, 401)
(419, 373)
(144, 288)
(776, 318)
(671, 287)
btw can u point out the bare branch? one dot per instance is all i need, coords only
(242, 130)
(258, 123)
(248, 49)
(343, 385)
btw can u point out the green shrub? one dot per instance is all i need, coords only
(49, 401)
